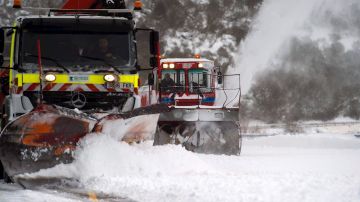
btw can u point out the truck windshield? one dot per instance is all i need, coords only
(173, 80)
(78, 51)
(199, 81)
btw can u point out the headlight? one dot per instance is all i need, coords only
(50, 77)
(109, 77)
(172, 66)
(165, 66)
(200, 65)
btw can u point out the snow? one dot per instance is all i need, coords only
(199, 43)
(144, 126)
(19, 195)
(279, 21)
(339, 125)
(303, 167)
(342, 119)
(201, 1)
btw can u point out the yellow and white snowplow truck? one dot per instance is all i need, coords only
(65, 68)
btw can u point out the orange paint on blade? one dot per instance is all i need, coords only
(33, 140)
(36, 132)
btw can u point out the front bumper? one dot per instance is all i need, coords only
(94, 100)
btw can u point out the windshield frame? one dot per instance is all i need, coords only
(209, 80)
(131, 66)
(179, 77)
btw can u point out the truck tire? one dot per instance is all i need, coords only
(3, 118)
(3, 175)
(1, 171)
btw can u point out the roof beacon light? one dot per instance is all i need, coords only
(138, 5)
(197, 56)
(17, 4)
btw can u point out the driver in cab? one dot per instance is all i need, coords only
(167, 84)
(104, 50)
(100, 51)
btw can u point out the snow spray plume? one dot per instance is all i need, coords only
(301, 59)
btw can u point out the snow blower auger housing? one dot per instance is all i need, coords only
(198, 120)
(70, 73)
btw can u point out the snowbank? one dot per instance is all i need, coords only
(305, 167)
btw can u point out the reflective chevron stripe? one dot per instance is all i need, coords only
(72, 87)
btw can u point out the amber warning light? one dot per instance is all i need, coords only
(17, 4)
(138, 5)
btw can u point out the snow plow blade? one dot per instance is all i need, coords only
(42, 138)
(48, 135)
(136, 126)
(209, 131)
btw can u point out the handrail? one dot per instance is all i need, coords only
(200, 90)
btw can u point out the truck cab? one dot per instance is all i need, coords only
(187, 81)
(77, 60)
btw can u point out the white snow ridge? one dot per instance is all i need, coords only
(304, 167)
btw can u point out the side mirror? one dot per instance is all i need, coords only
(219, 78)
(9, 33)
(147, 45)
(151, 80)
(2, 41)
(2, 45)
(16, 67)
(154, 48)
(154, 42)
(1, 60)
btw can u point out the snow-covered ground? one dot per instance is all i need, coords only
(303, 167)
(340, 125)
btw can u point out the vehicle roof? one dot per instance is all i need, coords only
(66, 22)
(185, 60)
(69, 16)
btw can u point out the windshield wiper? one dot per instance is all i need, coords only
(101, 60)
(50, 59)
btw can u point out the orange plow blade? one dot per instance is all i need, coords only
(48, 135)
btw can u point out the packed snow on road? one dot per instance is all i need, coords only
(311, 166)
